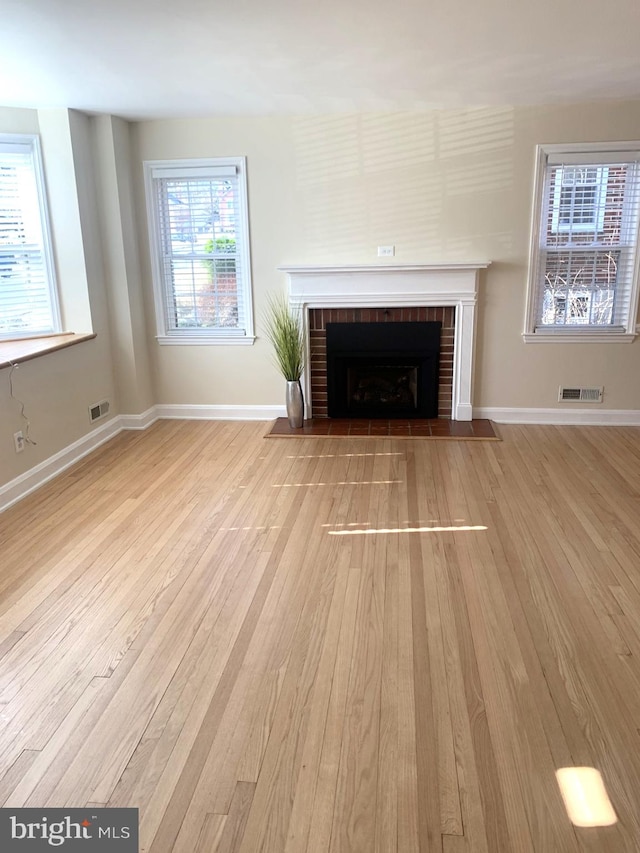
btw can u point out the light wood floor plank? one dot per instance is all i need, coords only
(328, 646)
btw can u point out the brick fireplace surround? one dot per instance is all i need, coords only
(319, 317)
(386, 293)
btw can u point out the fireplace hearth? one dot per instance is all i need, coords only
(383, 370)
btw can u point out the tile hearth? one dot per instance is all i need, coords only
(436, 428)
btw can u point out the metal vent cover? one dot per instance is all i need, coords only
(580, 395)
(98, 410)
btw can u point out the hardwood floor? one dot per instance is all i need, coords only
(328, 646)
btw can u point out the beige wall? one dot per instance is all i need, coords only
(58, 388)
(122, 264)
(441, 186)
(18, 121)
(233, 375)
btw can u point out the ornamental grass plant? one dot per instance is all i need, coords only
(284, 330)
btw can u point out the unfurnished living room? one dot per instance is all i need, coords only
(319, 427)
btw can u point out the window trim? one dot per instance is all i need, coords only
(206, 337)
(574, 334)
(33, 141)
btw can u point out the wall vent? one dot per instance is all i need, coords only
(580, 395)
(98, 410)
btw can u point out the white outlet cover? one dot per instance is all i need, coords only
(386, 251)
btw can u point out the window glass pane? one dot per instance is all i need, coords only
(200, 244)
(204, 293)
(579, 287)
(24, 298)
(587, 244)
(27, 292)
(199, 233)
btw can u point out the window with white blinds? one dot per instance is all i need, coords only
(584, 259)
(200, 244)
(28, 298)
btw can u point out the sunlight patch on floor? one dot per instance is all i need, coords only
(341, 455)
(370, 530)
(338, 483)
(585, 796)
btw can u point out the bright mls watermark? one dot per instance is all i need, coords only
(102, 830)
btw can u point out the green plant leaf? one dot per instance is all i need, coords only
(284, 330)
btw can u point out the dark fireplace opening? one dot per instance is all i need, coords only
(384, 384)
(383, 370)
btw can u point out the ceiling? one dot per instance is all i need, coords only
(163, 58)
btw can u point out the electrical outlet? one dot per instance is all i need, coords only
(386, 251)
(18, 441)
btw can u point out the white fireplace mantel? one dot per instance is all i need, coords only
(391, 286)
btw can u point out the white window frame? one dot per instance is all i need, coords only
(212, 336)
(600, 153)
(29, 142)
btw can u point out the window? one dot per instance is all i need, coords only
(200, 246)
(28, 297)
(583, 270)
(579, 198)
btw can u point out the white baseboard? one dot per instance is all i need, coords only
(565, 417)
(40, 474)
(24, 484)
(139, 421)
(221, 413)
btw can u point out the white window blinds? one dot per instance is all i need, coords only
(28, 301)
(201, 246)
(588, 231)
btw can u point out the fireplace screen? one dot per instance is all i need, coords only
(383, 370)
(386, 386)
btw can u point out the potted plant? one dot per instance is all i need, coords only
(284, 330)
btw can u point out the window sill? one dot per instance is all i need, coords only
(24, 349)
(206, 340)
(578, 337)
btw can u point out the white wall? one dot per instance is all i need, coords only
(441, 186)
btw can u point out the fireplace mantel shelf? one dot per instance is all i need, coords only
(398, 285)
(383, 284)
(382, 268)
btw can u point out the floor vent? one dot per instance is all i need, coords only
(99, 410)
(580, 395)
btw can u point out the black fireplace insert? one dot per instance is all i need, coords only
(383, 370)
